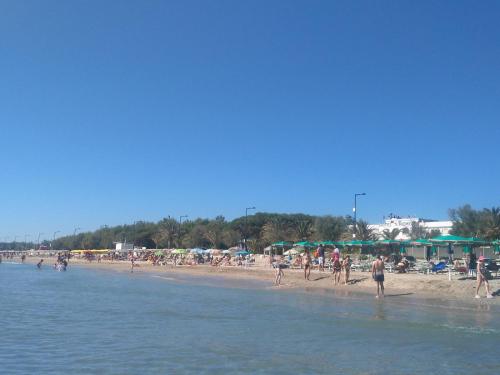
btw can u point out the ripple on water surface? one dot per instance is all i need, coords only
(88, 322)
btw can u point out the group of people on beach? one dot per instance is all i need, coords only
(341, 266)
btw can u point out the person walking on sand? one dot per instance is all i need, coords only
(346, 265)
(307, 265)
(378, 275)
(279, 273)
(481, 278)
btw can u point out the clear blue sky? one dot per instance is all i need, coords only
(115, 111)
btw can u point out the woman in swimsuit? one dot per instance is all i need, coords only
(307, 265)
(481, 278)
(337, 270)
(279, 273)
(346, 265)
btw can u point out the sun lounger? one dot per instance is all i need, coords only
(440, 267)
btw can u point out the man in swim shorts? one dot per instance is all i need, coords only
(378, 275)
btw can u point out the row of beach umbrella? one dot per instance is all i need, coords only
(445, 240)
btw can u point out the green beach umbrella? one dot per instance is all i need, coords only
(282, 244)
(304, 244)
(179, 251)
(325, 243)
(476, 241)
(358, 243)
(467, 249)
(420, 242)
(402, 247)
(388, 242)
(449, 238)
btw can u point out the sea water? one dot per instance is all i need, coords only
(86, 321)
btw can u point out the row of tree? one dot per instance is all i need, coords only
(261, 230)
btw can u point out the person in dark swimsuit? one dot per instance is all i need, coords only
(39, 264)
(337, 270)
(378, 275)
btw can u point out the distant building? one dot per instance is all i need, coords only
(123, 246)
(405, 224)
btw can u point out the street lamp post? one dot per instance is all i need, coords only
(180, 224)
(26, 241)
(74, 233)
(355, 212)
(53, 239)
(14, 244)
(38, 240)
(246, 225)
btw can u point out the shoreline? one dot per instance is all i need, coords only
(433, 287)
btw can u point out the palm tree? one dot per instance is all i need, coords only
(169, 229)
(417, 231)
(275, 230)
(492, 223)
(157, 238)
(363, 232)
(391, 234)
(303, 230)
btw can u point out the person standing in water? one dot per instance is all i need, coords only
(279, 273)
(378, 275)
(39, 264)
(346, 265)
(337, 270)
(307, 265)
(481, 278)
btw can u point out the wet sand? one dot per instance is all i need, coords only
(432, 286)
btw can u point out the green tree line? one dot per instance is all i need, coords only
(260, 230)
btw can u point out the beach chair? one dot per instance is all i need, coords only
(440, 267)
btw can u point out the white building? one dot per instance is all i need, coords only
(123, 246)
(405, 225)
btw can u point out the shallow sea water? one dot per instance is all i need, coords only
(92, 322)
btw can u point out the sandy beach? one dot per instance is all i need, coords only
(429, 286)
